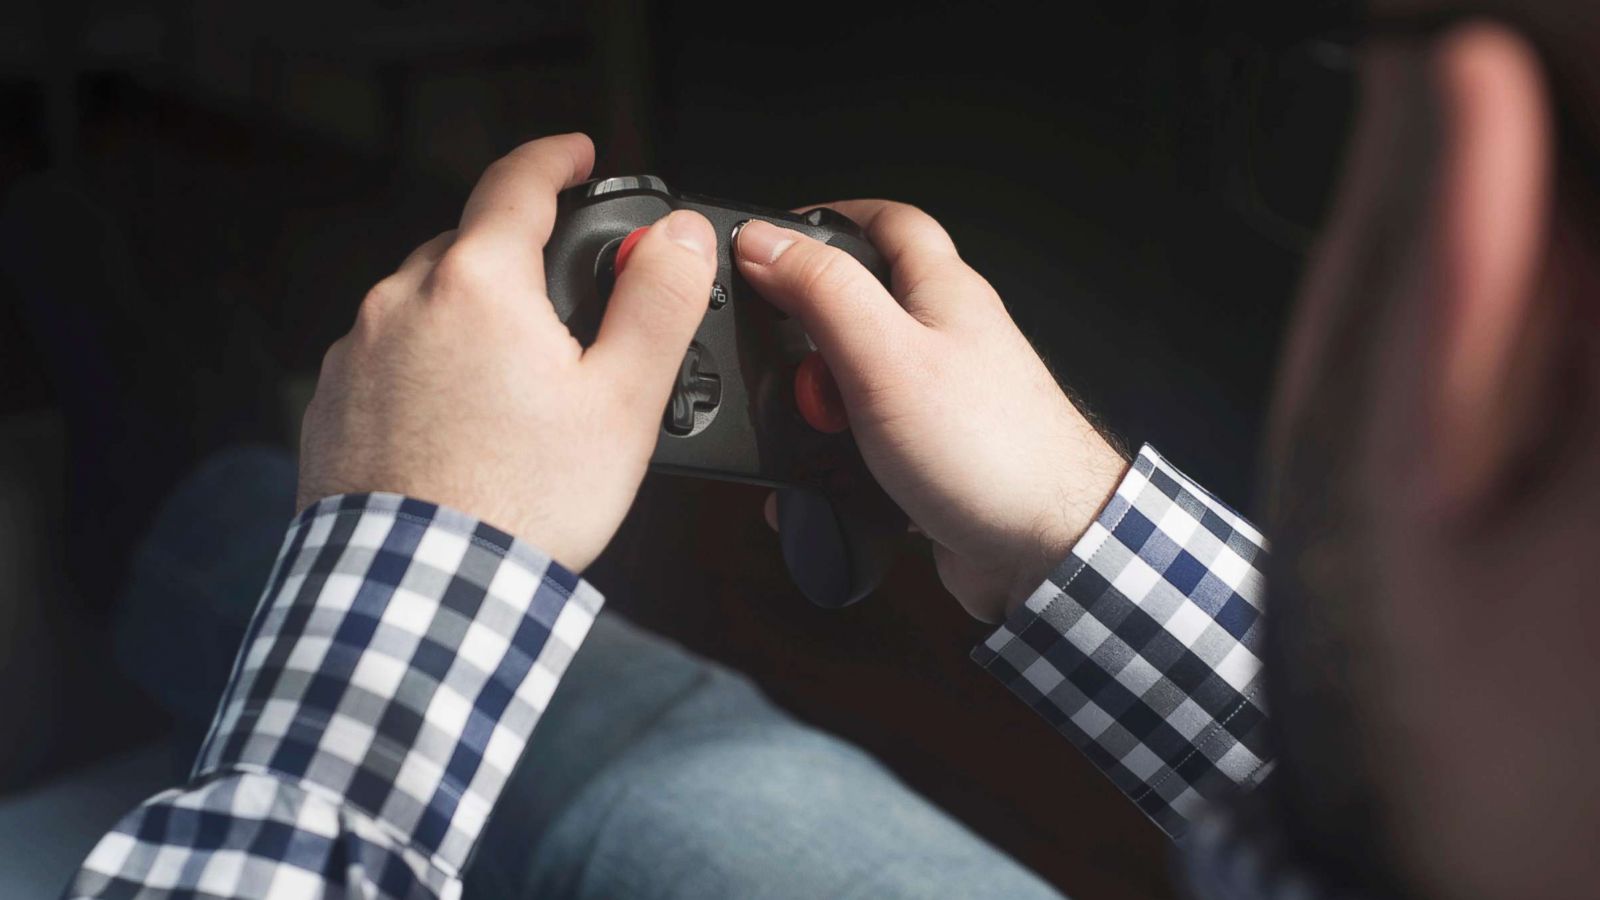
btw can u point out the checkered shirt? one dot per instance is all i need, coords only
(1143, 646)
(391, 677)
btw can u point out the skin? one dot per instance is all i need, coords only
(1472, 472)
(1003, 492)
(1468, 482)
(1472, 477)
(555, 452)
(459, 385)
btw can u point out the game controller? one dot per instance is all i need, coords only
(753, 400)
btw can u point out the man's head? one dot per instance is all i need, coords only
(1434, 651)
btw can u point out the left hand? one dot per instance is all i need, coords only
(460, 386)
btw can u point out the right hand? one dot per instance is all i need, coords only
(956, 415)
(459, 385)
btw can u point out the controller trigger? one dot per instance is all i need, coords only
(817, 396)
(837, 549)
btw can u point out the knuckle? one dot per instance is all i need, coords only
(917, 222)
(465, 270)
(899, 213)
(955, 273)
(905, 211)
(982, 296)
(381, 298)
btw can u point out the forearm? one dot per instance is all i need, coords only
(1142, 646)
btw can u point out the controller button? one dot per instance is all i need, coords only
(622, 183)
(817, 396)
(823, 216)
(626, 247)
(719, 295)
(697, 390)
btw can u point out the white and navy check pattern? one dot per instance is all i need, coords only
(1142, 648)
(403, 653)
(397, 665)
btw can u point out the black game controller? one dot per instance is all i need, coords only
(736, 412)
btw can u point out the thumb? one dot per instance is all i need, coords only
(655, 307)
(849, 314)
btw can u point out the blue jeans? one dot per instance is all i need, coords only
(654, 773)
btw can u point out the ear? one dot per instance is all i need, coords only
(1496, 205)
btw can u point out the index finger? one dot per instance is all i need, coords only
(917, 249)
(912, 242)
(513, 206)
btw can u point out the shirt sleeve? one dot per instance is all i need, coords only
(1142, 647)
(389, 681)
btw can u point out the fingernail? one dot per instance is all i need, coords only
(762, 242)
(692, 230)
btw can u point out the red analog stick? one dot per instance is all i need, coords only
(817, 396)
(626, 247)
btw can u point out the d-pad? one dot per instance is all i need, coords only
(698, 389)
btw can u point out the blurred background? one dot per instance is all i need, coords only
(198, 193)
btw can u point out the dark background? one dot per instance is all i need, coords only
(1139, 180)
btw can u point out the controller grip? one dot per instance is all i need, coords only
(838, 549)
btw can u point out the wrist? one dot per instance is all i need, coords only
(1088, 483)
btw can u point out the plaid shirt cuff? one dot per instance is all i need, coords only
(1142, 647)
(399, 661)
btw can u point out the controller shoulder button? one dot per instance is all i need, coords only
(823, 217)
(602, 186)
